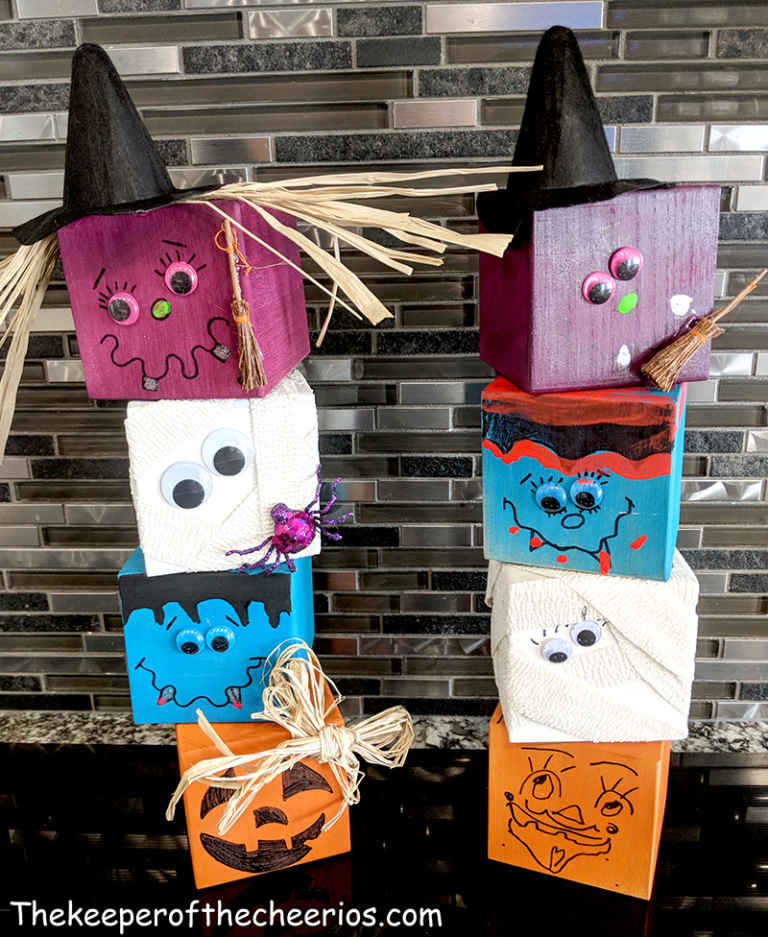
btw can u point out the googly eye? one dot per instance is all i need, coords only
(597, 288)
(180, 278)
(123, 308)
(227, 451)
(220, 638)
(586, 493)
(189, 641)
(186, 485)
(556, 650)
(625, 263)
(586, 633)
(550, 497)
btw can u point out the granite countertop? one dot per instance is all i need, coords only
(446, 732)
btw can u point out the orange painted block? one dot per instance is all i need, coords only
(283, 825)
(590, 812)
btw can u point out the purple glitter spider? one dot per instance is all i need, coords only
(294, 531)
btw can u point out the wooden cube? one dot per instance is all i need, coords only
(585, 480)
(283, 825)
(595, 289)
(583, 811)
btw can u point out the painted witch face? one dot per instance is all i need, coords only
(585, 481)
(206, 474)
(201, 640)
(568, 808)
(284, 833)
(151, 295)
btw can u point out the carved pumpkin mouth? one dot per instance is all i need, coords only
(270, 854)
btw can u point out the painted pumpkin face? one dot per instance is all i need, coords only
(567, 808)
(285, 823)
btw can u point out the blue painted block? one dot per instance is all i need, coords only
(200, 640)
(584, 480)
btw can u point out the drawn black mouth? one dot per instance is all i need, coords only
(602, 547)
(152, 381)
(167, 693)
(271, 854)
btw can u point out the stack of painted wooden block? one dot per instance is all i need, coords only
(593, 609)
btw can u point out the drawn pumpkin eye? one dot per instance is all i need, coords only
(611, 807)
(556, 650)
(123, 308)
(227, 452)
(625, 263)
(586, 633)
(219, 638)
(189, 641)
(597, 288)
(186, 485)
(550, 497)
(180, 278)
(586, 493)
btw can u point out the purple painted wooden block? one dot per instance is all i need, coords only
(151, 295)
(597, 288)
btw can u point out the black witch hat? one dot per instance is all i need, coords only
(563, 131)
(112, 165)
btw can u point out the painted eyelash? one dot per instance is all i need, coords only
(544, 633)
(170, 260)
(108, 290)
(615, 789)
(598, 476)
(592, 510)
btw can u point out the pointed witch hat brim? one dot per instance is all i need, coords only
(112, 165)
(562, 131)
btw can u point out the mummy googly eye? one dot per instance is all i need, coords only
(550, 497)
(625, 263)
(556, 650)
(220, 638)
(597, 288)
(586, 493)
(189, 641)
(186, 485)
(123, 308)
(586, 633)
(180, 278)
(227, 452)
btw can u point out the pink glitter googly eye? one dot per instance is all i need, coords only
(597, 287)
(180, 278)
(625, 263)
(123, 308)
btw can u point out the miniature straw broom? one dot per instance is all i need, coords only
(663, 369)
(250, 358)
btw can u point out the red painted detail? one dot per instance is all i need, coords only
(535, 543)
(237, 705)
(514, 530)
(605, 562)
(652, 466)
(161, 701)
(636, 544)
(562, 558)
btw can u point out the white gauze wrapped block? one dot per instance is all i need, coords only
(205, 474)
(583, 657)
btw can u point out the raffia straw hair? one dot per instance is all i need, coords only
(300, 698)
(663, 369)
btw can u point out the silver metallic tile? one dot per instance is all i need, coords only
(414, 489)
(735, 137)
(499, 17)
(36, 9)
(752, 198)
(729, 670)
(436, 113)
(435, 602)
(692, 168)
(32, 185)
(84, 602)
(721, 279)
(116, 515)
(14, 467)
(441, 392)
(712, 583)
(146, 60)
(63, 559)
(328, 369)
(666, 138)
(339, 418)
(245, 149)
(433, 536)
(757, 440)
(27, 536)
(190, 178)
(730, 365)
(746, 712)
(64, 371)
(31, 514)
(718, 490)
(689, 538)
(27, 127)
(277, 24)
(15, 213)
(702, 391)
(750, 649)
(413, 417)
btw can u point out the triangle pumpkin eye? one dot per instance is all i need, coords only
(303, 778)
(215, 796)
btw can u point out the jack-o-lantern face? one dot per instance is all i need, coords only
(287, 824)
(556, 826)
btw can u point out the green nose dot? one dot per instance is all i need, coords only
(627, 303)
(161, 309)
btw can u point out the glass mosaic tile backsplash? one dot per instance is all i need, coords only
(250, 89)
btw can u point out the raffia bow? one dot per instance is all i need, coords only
(299, 697)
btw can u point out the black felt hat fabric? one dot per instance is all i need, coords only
(561, 130)
(112, 165)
